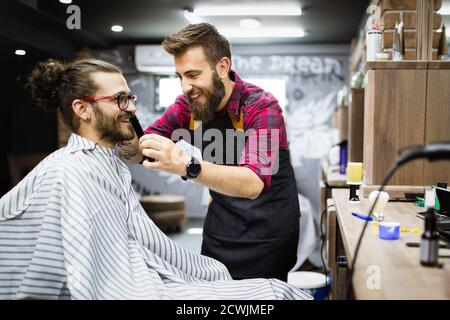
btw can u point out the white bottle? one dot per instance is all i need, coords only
(373, 42)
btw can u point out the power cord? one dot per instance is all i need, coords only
(386, 179)
(322, 233)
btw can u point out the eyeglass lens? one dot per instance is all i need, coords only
(123, 100)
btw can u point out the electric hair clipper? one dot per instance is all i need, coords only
(139, 132)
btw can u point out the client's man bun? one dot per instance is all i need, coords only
(56, 85)
(43, 84)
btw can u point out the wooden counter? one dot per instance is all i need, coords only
(384, 269)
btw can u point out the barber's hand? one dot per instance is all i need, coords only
(168, 156)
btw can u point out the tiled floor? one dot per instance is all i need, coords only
(190, 237)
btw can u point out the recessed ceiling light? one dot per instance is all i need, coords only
(192, 17)
(255, 9)
(20, 52)
(66, 1)
(117, 28)
(250, 23)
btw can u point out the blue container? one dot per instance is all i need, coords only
(343, 158)
(389, 230)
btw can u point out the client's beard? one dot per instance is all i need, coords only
(110, 129)
(205, 112)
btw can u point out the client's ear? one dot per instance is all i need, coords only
(81, 110)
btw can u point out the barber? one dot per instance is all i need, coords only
(252, 223)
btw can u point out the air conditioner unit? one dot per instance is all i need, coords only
(153, 59)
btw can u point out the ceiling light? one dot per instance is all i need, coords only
(255, 9)
(445, 10)
(117, 28)
(192, 17)
(66, 1)
(263, 33)
(20, 52)
(250, 23)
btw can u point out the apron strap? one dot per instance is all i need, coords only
(238, 121)
(193, 125)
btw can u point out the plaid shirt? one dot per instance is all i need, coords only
(261, 113)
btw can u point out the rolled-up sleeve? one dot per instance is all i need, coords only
(265, 131)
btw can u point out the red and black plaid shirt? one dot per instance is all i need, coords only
(261, 112)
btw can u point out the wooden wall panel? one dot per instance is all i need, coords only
(369, 128)
(356, 126)
(343, 123)
(437, 122)
(394, 119)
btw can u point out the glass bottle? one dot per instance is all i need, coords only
(429, 243)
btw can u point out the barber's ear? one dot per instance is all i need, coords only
(223, 67)
(80, 108)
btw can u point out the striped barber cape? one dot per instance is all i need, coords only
(73, 228)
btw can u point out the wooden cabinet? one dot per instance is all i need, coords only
(437, 123)
(406, 104)
(342, 122)
(356, 125)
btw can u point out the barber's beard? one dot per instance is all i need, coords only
(205, 112)
(113, 129)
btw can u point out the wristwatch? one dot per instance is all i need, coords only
(193, 169)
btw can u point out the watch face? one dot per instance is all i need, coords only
(194, 169)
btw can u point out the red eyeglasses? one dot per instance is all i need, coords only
(122, 99)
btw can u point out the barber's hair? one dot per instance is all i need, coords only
(215, 45)
(54, 84)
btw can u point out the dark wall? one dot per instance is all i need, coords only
(24, 129)
(31, 130)
(27, 24)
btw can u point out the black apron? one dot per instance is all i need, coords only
(253, 238)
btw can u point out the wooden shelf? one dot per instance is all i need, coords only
(331, 175)
(439, 65)
(406, 64)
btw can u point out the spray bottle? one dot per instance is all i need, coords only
(443, 45)
(429, 243)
